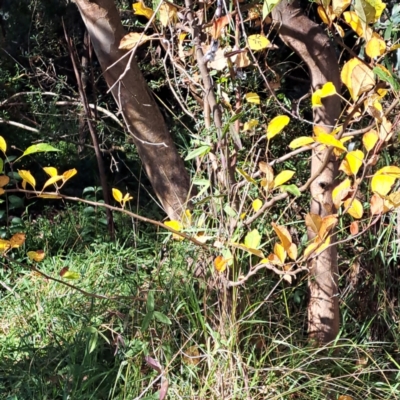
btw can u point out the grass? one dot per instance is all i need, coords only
(57, 343)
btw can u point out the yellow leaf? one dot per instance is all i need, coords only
(252, 98)
(3, 145)
(117, 194)
(389, 170)
(52, 180)
(250, 250)
(37, 255)
(27, 177)
(329, 140)
(376, 46)
(132, 39)
(280, 252)
(126, 198)
(327, 90)
(252, 239)
(258, 42)
(301, 141)
(339, 30)
(283, 234)
(250, 125)
(283, 177)
(354, 21)
(67, 274)
(49, 196)
(140, 9)
(355, 159)
(355, 208)
(386, 130)
(220, 263)
(327, 223)
(276, 125)
(379, 6)
(358, 77)
(51, 171)
(369, 139)
(168, 13)
(246, 176)
(17, 240)
(177, 226)
(340, 192)
(187, 218)
(4, 244)
(394, 199)
(69, 174)
(257, 204)
(316, 247)
(4, 179)
(382, 184)
(292, 252)
(326, 15)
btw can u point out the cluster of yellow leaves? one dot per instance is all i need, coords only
(270, 181)
(327, 90)
(118, 196)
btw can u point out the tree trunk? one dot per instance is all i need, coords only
(141, 114)
(310, 42)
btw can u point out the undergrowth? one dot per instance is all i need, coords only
(246, 343)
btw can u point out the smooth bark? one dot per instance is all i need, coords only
(141, 114)
(310, 42)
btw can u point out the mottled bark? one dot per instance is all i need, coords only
(310, 42)
(142, 116)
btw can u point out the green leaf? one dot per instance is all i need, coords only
(384, 76)
(146, 321)
(292, 189)
(200, 151)
(230, 211)
(162, 318)
(150, 302)
(38, 148)
(1, 165)
(252, 239)
(268, 6)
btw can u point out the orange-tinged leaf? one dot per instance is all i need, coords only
(130, 40)
(325, 15)
(358, 77)
(2, 191)
(313, 222)
(117, 194)
(37, 255)
(345, 397)
(292, 252)
(276, 125)
(382, 184)
(329, 140)
(256, 204)
(340, 192)
(280, 252)
(376, 46)
(52, 180)
(327, 224)
(69, 174)
(369, 139)
(27, 177)
(258, 42)
(17, 240)
(67, 274)
(355, 159)
(219, 24)
(252, 98)
(283, 177)
(51, 171)
(345, 167)
(273, 259)
(220, 263)
(301, 141)
(4, 180)
(377, 205)
(140, 9)
(355, 208)
(354, 229)
(283, 234)
(3, 145)
(168, 14)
